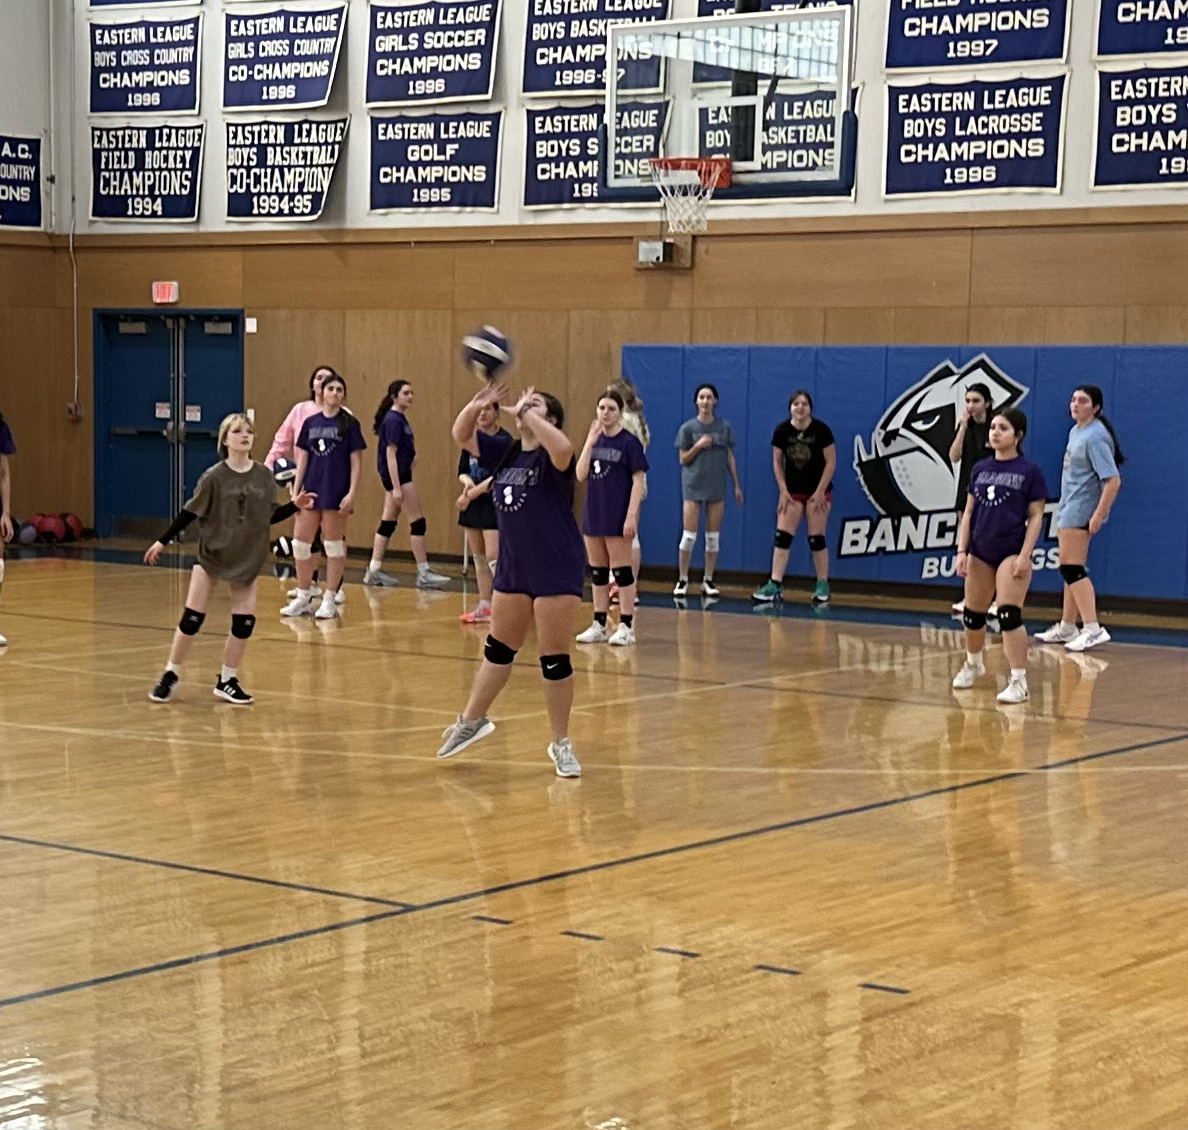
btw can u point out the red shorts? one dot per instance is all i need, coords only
(803, 498)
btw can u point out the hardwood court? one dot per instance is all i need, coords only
(800, 884)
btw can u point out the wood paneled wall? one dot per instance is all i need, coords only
(378, 307)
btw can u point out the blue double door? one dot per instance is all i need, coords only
(163, 383)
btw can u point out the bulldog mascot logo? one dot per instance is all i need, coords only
(908, 470)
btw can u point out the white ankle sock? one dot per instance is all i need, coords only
(375, 565)
(227, 673)
(1018, 674)
(1092, 626)
(973, 658)
(174, 667)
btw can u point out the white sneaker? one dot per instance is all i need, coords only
(3, 642)
(463, 733)
(681, 588)
(315, 590)
(340, 596)
(562, 756)
(431, 580)
(1015, 690)
(595, 633)
(1058, 633)
(328, 609)
(622, 636)
(1086, 639)
(958, 608)
(708, 588)
(965, 678)
(298, 606)
(377, 578)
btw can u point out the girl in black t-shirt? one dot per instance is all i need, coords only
(803, 458)
(970, 445)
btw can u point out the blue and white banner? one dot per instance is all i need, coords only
(799, 131)
(924, 35)
(980, 135)
(563, 152)
(703, 72)
(146, 172)
(142, 3)
(281, 170)
(435, 162)
(146, 67)
(1142, 27)
(20, 182)
(432, 51)
(281, 58)
(565, 46)
(1142, 128)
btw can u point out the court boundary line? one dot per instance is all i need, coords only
(605, 865)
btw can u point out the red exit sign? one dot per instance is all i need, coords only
(165, 293)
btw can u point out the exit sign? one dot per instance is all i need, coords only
(165, 293)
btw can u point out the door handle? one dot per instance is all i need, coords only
(139, 431)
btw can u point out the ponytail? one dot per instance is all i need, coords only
(1119, 458)
(385, 405)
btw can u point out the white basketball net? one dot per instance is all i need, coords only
(684, 193)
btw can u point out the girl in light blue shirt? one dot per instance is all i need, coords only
(1089, 484)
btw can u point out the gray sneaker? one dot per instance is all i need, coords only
(431, 580)
(463, 733)
(380, 579)
(562, 756)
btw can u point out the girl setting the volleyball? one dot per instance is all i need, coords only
(234, 508)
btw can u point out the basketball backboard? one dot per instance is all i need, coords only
(769, 90)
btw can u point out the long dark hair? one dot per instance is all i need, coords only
(1018, 421)
(1098, 402)
(554, 410)
(345, 420)
(612, 394)
(385, 405)
(983, 391)
(313, 376)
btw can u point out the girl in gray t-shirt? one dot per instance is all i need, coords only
(706, 449)
(234, 506)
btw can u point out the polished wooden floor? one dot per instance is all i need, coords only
(800, 885)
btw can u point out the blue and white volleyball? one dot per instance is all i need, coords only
(284, 471)
(486, 350)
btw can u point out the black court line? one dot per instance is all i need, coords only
(583, 936)
(196, 959)
(777, 969)
(491, 918)
(676, 952)
(212, 871)
(884, 988)
(540, 880)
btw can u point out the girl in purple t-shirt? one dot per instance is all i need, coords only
(1001, 524)
(614, 465)
(329, 458)
(7, 448)
(541, 566)
(395, 455)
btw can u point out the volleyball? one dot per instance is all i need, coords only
(284, 471)
(487, 351)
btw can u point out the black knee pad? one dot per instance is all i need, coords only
(599, 575)
(975, 620)
(1073, 573)
(1010, 617)
(242, 625)
(783, 539)
(498, 653)
(190, 622)
(386, 528)
(816, 542)
(555, 667)
(418, 528)
(624, 575)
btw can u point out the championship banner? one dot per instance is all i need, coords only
(142, 3)
(970, 33)
(1142, 128)
(565, 46)
(798, 131)
(281, 59)
(20, 182)
(432, 51)
(151, 173)
(1142, 27)
(704, 72)
(281, 170)
(980, 135)
(146, 67)
(563, 150)
(435, 162)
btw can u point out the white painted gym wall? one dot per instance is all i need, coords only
(25, 72)
(347, 204)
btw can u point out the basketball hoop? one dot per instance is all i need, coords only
(686, 185)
